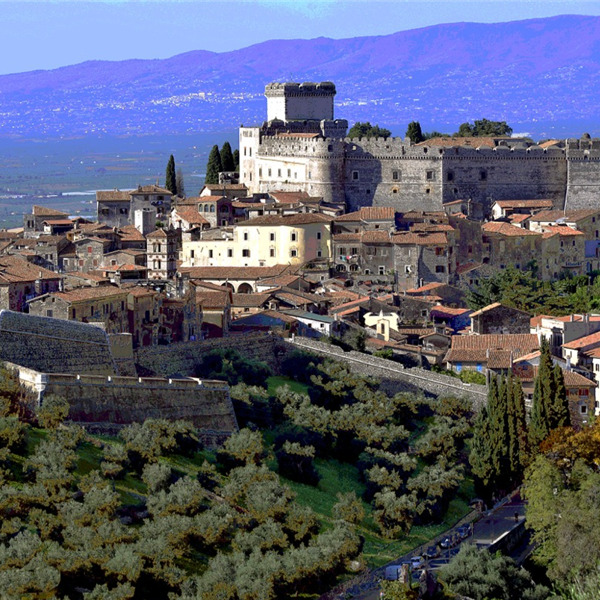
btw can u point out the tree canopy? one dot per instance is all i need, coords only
(366, 130)
(484, 127)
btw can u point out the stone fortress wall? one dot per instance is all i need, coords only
(312, 156)
(98, 401)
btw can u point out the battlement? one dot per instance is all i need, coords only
(308, 88)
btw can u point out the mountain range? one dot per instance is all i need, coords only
(540, 75)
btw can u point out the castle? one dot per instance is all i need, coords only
(302, 147)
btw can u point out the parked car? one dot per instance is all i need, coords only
(464, 531)
(432, 552)
(446, 543)
(417, 562)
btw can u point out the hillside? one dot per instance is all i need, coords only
(532, 72)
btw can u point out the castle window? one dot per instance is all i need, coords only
(355, 175)
(424, 150)
(269, 172)
(455, 190)
(482, 175)
(330, 148)
(450, 176)
(427, 191)
(394, 190)
(396, 175)
(278, 172)
(309, 175)
(368, 192)
(429, 175)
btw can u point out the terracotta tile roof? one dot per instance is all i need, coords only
(157, 233)
(518, 218)
(14, 269)
(250, 300)
(425, 288)
(370, 213)
(228, 186)
(191, 215)
(212, 299)
(288, 197)
(123, 267)
(58, 222)
(94, 228)
(43, 211)
(130, 233)
(448, 311)
(250, 205)
(572, 379)
(279, 315)
(507, 229)
(582, 342)
(431, 227)
(541, 203)
(474, 348)
(376, 237)
(139, 291)
(207, 285)
(347, 237)
(222, 273)
(342, 297)
(352, 304)
(90, 293)
(112, 196)
(86, 275)
(552, 216)
(499, 359)
(420, 239)
(549, 143)
(593, 353)
(287, 220)
(296, 299)
(562, 230)
(150, 189)
(420, 331)
(279, 281)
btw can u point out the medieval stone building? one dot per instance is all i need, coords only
(302, 147)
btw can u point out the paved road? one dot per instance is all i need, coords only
(487, 530)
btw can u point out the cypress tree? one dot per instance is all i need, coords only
(498, 431)
(560, 415)
(516, 429)
(236, 160)
(414, 133)
(539, 424)
(179, 183)
(213, 167)
(227, 158)
(170, 178)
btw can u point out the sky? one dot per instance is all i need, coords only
(55, 33)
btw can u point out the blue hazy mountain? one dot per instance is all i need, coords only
(532, 73)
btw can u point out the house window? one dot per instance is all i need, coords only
(381, 270)
(246, 253)
(260, 172)
(458, 367)
(89, 249)
(319, 254)
(289, 173)
(318, 235)
(49, 312)
(293, 237)
(354, 251)
(269, 172)
(229, 253)
(582, 408)
(272, 237)
(278, 172)
(293, 253)
(440, 269)
(272, 252)
(210, 254)
(245, 236)
(479, 367)
(341, 251)
(310, 175)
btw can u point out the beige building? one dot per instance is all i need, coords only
(264, 242)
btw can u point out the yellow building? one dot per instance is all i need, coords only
(263, 242)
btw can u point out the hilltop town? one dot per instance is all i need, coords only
(322, 236)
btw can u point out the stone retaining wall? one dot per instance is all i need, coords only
(395, 378)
